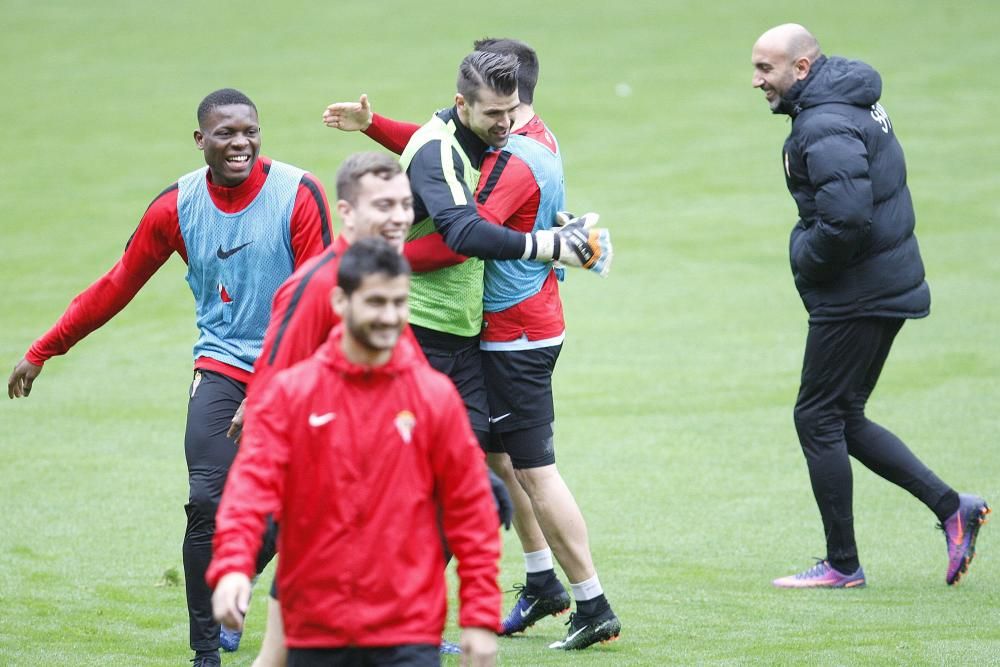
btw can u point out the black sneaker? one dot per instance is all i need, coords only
(586, 630)
(207, 659)
(531, 608)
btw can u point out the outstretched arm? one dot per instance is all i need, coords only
(157, 236)
(358, 116)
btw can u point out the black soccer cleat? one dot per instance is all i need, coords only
(531, 608)
(586, 630)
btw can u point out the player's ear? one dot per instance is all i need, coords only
(460, 101)
(346, 212)
(802, 67)
(344, 209)
(338, 299)
(199, 140)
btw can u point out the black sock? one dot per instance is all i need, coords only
(542, 582)
(849, 566)
(947, 506)
(593, 606)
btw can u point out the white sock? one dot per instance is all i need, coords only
(538, 561)
(587, 590)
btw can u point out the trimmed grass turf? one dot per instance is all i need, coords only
(675, 387)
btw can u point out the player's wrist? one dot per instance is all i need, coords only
(542, 246)
(33, 358)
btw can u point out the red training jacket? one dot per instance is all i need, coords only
(358, 462)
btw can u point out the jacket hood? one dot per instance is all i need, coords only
(404, 356)
(833, 80)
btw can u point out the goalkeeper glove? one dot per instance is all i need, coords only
(504, 505)
(576, 243)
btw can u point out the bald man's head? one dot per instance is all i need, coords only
(781, 56)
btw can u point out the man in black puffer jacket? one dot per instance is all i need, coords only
(858, 270)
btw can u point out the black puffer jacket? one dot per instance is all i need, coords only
(853, 251)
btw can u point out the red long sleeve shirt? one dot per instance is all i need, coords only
(156, 238)
(359, 462)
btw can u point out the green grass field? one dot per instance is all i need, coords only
(675, 387)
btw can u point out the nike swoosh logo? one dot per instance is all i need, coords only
(525, 612)
(568, 639)
(225, 254)
(316, 420)
(961, 531)
(494, 420)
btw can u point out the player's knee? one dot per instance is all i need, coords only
(201, 507)
(818, 428)
(535, 479)
(501, 465)
(807, 420)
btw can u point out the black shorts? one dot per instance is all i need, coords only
(404, 655)
(459, 358)
(519, 388)
(528, 448)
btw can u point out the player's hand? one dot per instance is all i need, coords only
(231, 599)
(563, 218)
(349, 116)
(505, 507)
(21, 378)
(479, 647)
(236, 426)
(577, 243)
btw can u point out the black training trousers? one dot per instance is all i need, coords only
(842, 364)
(212, 402)
(404, 655)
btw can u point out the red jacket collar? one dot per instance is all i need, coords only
(340, 245)
(404, 356)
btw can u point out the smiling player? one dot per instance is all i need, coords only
(242, 224)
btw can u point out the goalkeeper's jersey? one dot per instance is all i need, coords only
(443, 175)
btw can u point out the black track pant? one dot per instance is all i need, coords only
(211, 406)
(842, 364)
(406, 655)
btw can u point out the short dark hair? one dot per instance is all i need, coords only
(368, 257)
(481, 69)
(357, 165)
(221, 98)
(527, 62)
